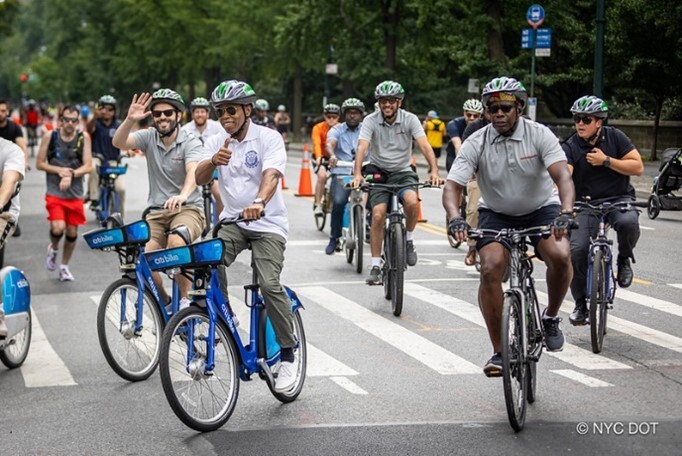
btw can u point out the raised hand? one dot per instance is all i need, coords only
(138, 107)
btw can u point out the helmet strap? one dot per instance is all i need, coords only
(170, 132)
(238, 134)
(594, 136)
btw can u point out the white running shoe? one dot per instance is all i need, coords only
(286, 376)
(51, 258)
(64, 273)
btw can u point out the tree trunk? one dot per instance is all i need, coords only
(495, 44)
(657, 119)
(390, 12)
(297, 109)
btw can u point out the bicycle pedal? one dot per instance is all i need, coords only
(493, 373)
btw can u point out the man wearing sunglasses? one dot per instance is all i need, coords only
(250, 160)
(172, 155)
(601, 160)
(65, 156)
(516, 161)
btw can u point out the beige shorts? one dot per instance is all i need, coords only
(162, 220)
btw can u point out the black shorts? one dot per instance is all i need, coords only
(491, 220)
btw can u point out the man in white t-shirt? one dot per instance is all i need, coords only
(12, 165)
(250, 160)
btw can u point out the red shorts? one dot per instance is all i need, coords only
(69, 210)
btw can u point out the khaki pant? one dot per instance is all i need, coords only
(474, 194)
(161, 221)
(93, 183)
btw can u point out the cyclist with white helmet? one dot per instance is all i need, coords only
(261, 116)
(283, 122)
(172, 156)
(390, 132)
(473, 110)
(601, 160)
(342, 142)
(331, 113)
(250, 160)
(517, 162)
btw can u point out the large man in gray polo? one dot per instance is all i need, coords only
(172, 157)
(516, 161)
(389, 131)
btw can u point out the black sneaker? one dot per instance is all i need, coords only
(493, 368)
(624, 272)
(580, 314)
(554, 337)
(94, 205)
(331, 247)
(411, 254)
(17, 231)
(374, 276)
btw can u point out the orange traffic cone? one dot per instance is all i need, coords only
(305, 180)
(420, 217)
(284, 184)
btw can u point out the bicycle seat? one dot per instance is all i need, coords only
(182, 231)
(136, 233)
(201, 254)
(115, 219)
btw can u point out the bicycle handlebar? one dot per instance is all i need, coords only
(512, 235)
(607, 207)
(394, 187)
(225, 222)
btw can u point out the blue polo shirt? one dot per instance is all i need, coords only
(346, 144)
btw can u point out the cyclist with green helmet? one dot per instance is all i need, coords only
(390, 132)
(172, 156)
(250, 160)
(260, 114)
(342, 142)
(601, 160)
(517, 162)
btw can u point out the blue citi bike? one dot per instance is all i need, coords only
(130, 315)
(109, 199)
(203, 356)
(601, 280)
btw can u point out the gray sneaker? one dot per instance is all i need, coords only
(374, 276)
(411, 254)
(554, 337)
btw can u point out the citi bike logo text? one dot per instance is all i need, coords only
(166, 258)
(23, 283)
(102, 238)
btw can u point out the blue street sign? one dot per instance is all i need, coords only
(535, 15)
(544, 38)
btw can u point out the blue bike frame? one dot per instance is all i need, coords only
(107, 176)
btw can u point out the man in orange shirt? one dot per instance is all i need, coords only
(319, 135)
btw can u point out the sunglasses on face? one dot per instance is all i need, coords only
(504, 108)
(167, 113)
(584, 119)
(475, 115)
(388, 101)
(73, 120)
(230, 110)
(108, 109)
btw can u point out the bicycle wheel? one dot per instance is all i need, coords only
(598, 301)
(514, 367)
(654, 207)
(112, 209)
(349, 237)
(203, 401)
(534, 338)
(16, 349)
(133, 356)
(321, 219)
(359, 236)
(397, 268)
(386, 275)
(301, 355)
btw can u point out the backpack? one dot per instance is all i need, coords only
(53, 152)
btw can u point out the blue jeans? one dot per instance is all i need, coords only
(339, 199)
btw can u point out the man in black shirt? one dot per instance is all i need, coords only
(601, 159)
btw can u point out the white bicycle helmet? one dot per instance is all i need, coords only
(106, 100)
(200, 102)
(262, 105)
(505, 85)
(473, 105)
(389, 89)
(352, 103)
(589, 104)
(168, 96)
(332, 108)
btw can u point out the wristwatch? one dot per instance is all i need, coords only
(607, 162)
(259, 201)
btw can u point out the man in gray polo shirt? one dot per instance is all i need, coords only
(172, 156)
(390, 131)
(516, 161)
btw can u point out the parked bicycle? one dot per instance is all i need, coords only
(601, 280)
(203, 357)
(394, 256)
(109, 199)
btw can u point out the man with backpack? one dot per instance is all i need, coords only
(65, 155)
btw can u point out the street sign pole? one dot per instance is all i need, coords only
(535, 17)
(532, 61)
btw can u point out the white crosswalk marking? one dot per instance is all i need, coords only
(43, 366)
(581, 378)
(348, 385)
(419, 348)
(676, 285)
(648, 301)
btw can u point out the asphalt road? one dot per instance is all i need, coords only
(377, 384)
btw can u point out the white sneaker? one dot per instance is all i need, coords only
(64, 273)
(317, 210)
(286, 376)
(3, 326)
(51, 259)
(184, 303)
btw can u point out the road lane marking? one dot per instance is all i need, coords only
(571, 354)
(43, 366)
(322, 242)
(641, 281)
(648, 301)
(419, 348)
(581, 378)
(348, 385)
(676, 285)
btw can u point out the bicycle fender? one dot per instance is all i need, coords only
(16, 291)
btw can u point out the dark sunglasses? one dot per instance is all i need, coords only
(73, 120)
(388, 100)
(108, 109)
(584, 119)
(230, 110)
(166, 113)
(504, 108)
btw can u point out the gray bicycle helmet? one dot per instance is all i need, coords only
(589, 104)
(505, 87)
(168, 96)
(262, 105)
(389, 89)
(473, 105)
(352, 103)
(200, 102)
(106, 100)
(233, 91)
(332, 108)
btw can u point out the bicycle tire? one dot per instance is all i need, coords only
(118, 343)
(321, 219)
(598, 304)
(386, 276)
(185, 384)
(112, 203)
(397, 268)
(532, 332)
(348, 241)
(301, 352)
(16, 348)
(359, 235)
(514, 367)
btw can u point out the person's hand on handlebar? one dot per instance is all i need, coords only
(562, 223)
(253, 212)
(458, 228)
(435, 180)
(332, 161)
(174, 203)
(357, 181)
